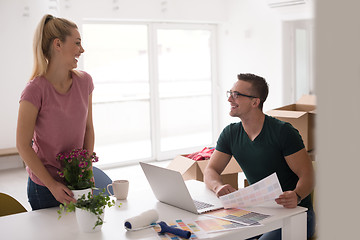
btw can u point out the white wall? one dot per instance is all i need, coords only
(18, 21)
(249, 37)
(148, 10)
(250, 42)
(338, 130)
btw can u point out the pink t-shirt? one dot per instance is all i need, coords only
(61, 121)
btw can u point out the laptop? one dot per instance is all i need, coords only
(169, 187)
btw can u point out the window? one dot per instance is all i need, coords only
(184, 88)
(298, 73)
(153, 89)
(303, 81)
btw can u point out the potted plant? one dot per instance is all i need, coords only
(89, 210)
(77, 170)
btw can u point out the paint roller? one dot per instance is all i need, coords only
(148, 219)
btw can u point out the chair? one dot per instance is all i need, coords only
(101, 181)
(313, 199)
(9, 205)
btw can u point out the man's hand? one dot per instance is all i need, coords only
(224, 189)
(288, 199)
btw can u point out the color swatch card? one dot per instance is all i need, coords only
(200, 228)
(196, 231)
(244, 217)
(212, 225)
(264, 190)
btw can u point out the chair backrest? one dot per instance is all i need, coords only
(9, 205)
(313, 199)
(101, 181)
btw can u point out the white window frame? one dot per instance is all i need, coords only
(157, 155)
(289, 57)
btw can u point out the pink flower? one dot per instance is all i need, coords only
(61, 174)
(95, 159)
(75, 166)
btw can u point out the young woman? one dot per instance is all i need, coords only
(55, 113)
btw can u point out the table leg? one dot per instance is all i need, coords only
(295, 227)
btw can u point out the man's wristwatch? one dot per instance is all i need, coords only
(298, 198)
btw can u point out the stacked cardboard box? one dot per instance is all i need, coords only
(302, 116)
(191, 169)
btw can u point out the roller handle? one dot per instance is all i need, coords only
(176, 231)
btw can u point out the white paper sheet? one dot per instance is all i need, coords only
(264, 190)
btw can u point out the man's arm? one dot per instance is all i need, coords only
(300, 163)
(212, 179)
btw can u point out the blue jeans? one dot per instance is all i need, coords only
(40, 196)
(276, 234)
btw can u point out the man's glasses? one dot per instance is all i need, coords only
(235, 94)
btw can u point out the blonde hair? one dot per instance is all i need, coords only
(49, 28)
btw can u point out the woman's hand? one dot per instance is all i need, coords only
(61, 193)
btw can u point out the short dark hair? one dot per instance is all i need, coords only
(259, 85)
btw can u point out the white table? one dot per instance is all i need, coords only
(44, 224)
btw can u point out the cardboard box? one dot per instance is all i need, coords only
(191, 169)
(302, 116)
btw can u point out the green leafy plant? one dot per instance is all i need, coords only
(94, 204)
(77, 168)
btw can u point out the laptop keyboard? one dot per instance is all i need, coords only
(201, 205)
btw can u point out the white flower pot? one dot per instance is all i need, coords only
(86, 220)
(79, 193)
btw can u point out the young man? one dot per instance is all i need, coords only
(262, 145)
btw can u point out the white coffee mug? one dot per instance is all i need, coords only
(120, 188)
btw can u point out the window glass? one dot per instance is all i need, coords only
(117, 59)
(302, 62)
(131, 122)
(184, 88)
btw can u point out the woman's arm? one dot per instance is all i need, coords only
(89, 139)
(24, 134)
